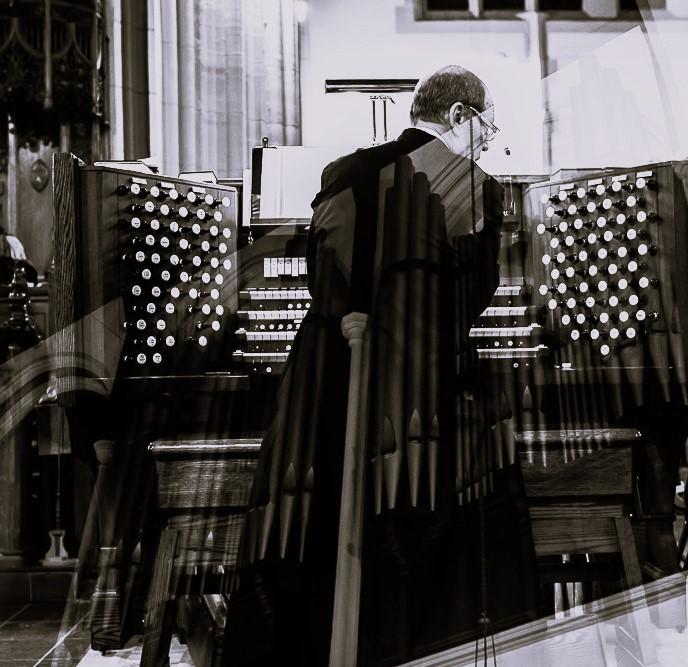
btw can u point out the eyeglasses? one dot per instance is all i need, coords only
(492, 129)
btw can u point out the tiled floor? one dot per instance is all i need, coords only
(56, 635)
(43, 633)
(130, 656)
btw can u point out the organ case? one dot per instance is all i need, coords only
(608, 267)
(158, 256)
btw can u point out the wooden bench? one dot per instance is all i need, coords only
(202, 490)
(579, 488)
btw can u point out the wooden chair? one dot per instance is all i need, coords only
(203, 488)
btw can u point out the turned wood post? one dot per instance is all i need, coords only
(106, 624)
(344, 643)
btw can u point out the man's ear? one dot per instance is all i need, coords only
(455, 113)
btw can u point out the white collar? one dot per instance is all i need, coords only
(432, 131)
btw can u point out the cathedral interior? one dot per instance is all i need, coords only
(162, 409)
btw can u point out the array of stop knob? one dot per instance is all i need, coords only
(176, 255)
(599, 261)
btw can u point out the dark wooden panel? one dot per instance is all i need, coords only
(34, 214)
(64, 288)
(156, 641)
(576, 510)
(204, 482)
(205, 473)
(206, 540)
(202, 621)
(606, 472)
(575, 536)
(549, 574)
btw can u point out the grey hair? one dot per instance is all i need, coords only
(435, 94)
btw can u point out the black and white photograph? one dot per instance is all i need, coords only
(343, 333)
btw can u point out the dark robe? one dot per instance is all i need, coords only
(421, 587)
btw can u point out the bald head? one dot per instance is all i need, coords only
(434, 95)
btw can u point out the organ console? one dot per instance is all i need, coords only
(193, 315)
